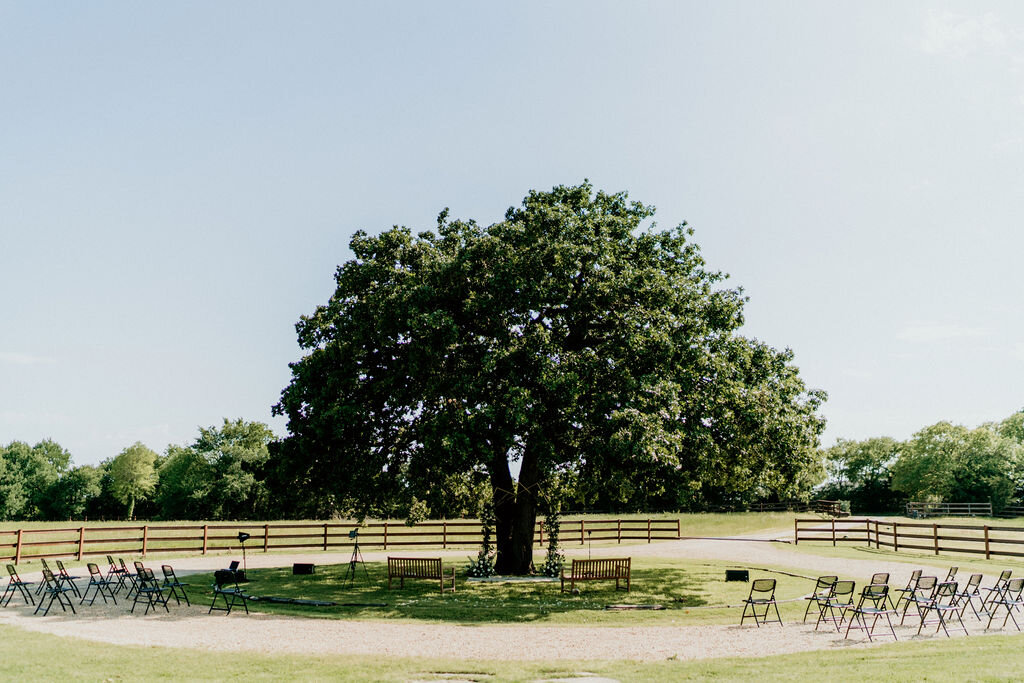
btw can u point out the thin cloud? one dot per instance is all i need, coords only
(924, 333)
(14, 358)
(959, 35)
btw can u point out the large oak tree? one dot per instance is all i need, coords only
(572, 339)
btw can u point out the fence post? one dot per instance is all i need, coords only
(145, 538)
(796, 531)
(867, 523)
(266, 536)
(206, 534)
(618, 532)
(987, 552)
(833, 533)
(542, 533)
(895, 539)
(17, 549)
(325, 537)
(648, 531)
(385, 535)
(81, 542)
(935, 535)
(878, 537)
(583, 525)
(679, 528)
(444, 535)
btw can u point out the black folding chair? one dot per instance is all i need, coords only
(1009, 599)
(882, 579)
(227, 590)
(148, 590)
(116, 573)
(99, 584)
(968, 594)
(995, 590)
(943, 603)
(872, 604)
(833, 609)
(130, 580)
(54, 590)
(921, 596)
(16, 585)
(905, 593)
(951, 575)
(67, 579)
(177, 587)
(822, 589)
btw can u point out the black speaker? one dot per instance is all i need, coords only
(737, 575)
(298, 568)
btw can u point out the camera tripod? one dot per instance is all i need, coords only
(357, 558)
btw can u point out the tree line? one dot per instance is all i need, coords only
(220, 475)
(942, 462)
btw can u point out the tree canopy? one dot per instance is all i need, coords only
(132, 475)
(571, 341)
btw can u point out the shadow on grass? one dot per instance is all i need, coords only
(473, 602)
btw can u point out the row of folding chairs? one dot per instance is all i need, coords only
(942, 603)
(60, 586)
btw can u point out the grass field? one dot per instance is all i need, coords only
(690, 593)
(29, 656)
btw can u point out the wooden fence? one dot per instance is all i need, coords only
(920, 510)
(979, 539)
(821, 507)
(146, 539)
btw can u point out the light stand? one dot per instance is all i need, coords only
(242, 538)
(357, 558)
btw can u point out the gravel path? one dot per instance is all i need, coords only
(193, 628)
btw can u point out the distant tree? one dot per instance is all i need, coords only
(569, 338)
(1013, 427)
(860, 471)
(185, 481)
(133, 475)
(27, 476)
(71, 494)
(219, 476)
(953, 463)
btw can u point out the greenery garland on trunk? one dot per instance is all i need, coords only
(483, 565)
(555, 559)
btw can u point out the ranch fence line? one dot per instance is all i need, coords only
(145, 539)
(920, 509)
(822, 507)
(980, 539)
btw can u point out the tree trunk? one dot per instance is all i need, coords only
(515, 512)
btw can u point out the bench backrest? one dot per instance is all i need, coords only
(610, 567)
(415, 567)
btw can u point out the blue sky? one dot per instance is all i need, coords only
(178, 182)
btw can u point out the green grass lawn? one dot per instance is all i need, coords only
(690, 592)
(34, 657)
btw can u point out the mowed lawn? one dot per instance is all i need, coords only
(35, 657)
(688, 593)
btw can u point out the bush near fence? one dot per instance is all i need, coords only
(146, 539)
(979, 539)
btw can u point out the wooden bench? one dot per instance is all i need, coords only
(604, 569)
(430, 568)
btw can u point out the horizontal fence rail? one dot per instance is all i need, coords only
(146, 539)
(979, 539)
(916, 509)
(821, 507)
